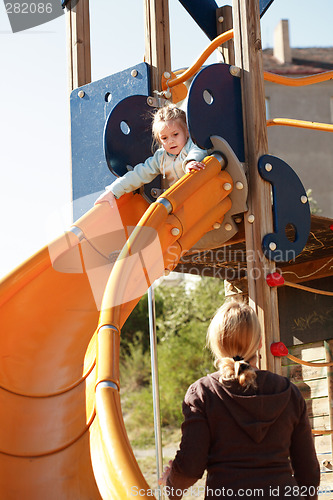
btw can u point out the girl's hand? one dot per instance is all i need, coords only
(167, 469)
(192, 166)
(106, 196)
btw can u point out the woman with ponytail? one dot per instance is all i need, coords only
(247, 427)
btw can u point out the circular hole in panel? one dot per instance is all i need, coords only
(291, 232)
(124, 127)
(108, 97)
(208, 97)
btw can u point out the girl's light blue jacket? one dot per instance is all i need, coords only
(172, 167)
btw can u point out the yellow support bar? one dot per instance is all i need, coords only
(192, 70)
(308, 363)
(298, 82)
(289, 122)
(269, 77)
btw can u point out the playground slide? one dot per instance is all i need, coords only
(62, 434)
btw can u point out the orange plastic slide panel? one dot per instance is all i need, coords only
(142, 260)
(32, 427)
(47, 373)
(95, 241)
(105, 220)
(191, 183)
(130, 278)
(66, 475)
(100, 232)
(203, 208)
(46, 327)
(207, 220)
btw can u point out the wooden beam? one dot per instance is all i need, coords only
(157, 40)
(78, 43)
(224, 23)
(258, 220)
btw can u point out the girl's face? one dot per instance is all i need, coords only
(173, 136)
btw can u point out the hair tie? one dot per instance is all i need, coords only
(238, 358)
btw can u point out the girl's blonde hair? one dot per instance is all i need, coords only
(165, 114)
(234, 337)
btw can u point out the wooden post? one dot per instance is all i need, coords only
(78, 43)
(157, 40)
(258, 220)
(224, 23)
(78, 47)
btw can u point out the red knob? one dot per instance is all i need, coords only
(279, 349)
(274, 279)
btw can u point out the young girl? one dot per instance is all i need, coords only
(247, 427)
(176, 156)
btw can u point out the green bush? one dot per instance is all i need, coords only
(135, 365)
(182, 359)
(182, 318)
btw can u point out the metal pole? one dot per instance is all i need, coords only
(155, 386)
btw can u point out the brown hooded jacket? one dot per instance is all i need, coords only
(253, 443)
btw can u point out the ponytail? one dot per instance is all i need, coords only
(241, 370)
(234, 338)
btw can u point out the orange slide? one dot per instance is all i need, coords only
(62, 434)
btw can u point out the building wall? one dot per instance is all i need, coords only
(308, 152)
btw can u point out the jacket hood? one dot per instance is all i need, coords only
(255, 411)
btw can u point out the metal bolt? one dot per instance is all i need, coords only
(238, 220)
(251, 218)
(327, 464)
(167, 272)
(220, 19)
(268, 167)
(235, 71)
(304, 199)
(216, 225)
(175, 231)
(227, 186)
(166, 75)
(167, 94)
(272, 246)
(239, 185)
(134, 73)
(228, 226)
(81, 94)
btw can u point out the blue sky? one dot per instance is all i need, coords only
(35, 183)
